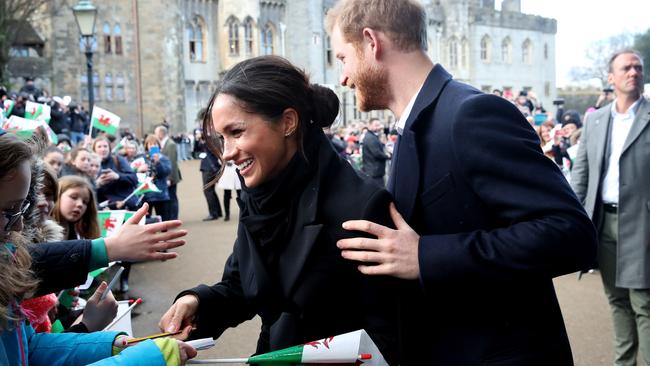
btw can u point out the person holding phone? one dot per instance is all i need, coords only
(159, 167)
(116, 179)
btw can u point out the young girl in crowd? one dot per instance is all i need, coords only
(55, 158)
(116, 179)
(79, 163)
(75, 209)
(94, 165)
(19, 344)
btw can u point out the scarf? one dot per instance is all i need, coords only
(269, 211)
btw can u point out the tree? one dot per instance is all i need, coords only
(642, 44)
(598, 55)
(13, 14)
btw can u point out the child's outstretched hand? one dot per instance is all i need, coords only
(99, 313)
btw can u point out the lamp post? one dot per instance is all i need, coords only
(85, 13)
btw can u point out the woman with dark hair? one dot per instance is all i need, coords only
(297, 191)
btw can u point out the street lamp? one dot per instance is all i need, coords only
(85, 13)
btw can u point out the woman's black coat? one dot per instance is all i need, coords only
(316, 293)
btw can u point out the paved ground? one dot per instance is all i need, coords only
(209, 243)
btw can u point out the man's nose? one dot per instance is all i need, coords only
(343, 80)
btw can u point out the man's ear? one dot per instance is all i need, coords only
(289, 121)
(372, 42)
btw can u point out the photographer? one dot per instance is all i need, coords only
(561, 140)
(606, 97)
(78, 123)
(60, 121)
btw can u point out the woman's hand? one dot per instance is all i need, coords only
(180, 316)
(134, 242)
(99, 313)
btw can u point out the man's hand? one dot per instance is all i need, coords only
(395, 252)
(180, 316)
(135, 243)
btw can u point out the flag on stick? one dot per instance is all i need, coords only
(135, 164)
(120, 145)
(7, 107)
(354, 348)
(37, 111)
(104, 120)
(21, 127)
(110, 222)
(147, 186)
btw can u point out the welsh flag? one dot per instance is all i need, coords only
(7, 107)
(110, 221)
(21, 127)
(135, 164)
(104, 120)
(147, 186)
(54, 139)
(354, 348)
(37, 111)
(142, 177)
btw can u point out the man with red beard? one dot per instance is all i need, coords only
(479, 235)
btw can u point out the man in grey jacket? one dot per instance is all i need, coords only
(611, 176)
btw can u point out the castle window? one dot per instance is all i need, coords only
(107, 37)
(506, 50)
(527, 52)
(267, 39)
(233, 36)
(453, 53)
(108, 86)
(119, 88)
(545, 51)
(117, 35)
(486, 45)
(328, 51)
(196, 31)
(96, 94)
(464, 53)
(248, 36)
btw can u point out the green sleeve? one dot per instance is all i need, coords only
(169, 349)
(98, 255)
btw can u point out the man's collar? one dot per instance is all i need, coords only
(631, 110)
(401, 122)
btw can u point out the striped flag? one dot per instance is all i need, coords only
(37, 111)
(21, 127)
(104, 120)
(147, 186)
(7, 107)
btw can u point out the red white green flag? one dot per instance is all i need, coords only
(104, 120)
(147, 186)
(135, 164)
(354, 348)
(110, 222)
(37, 111)
(21, 127)
(7, 107)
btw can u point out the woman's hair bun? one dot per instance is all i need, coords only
(324, 105)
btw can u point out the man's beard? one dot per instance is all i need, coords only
(371, 84)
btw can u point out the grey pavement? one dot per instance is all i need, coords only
(209, 243)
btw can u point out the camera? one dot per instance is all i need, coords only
(559, 101)
(608, 89)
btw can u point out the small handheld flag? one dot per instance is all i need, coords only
(104, 120)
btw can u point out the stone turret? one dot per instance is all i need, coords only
(511, 6)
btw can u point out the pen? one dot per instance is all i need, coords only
(112, 283)
(121, 316)
(154, 336)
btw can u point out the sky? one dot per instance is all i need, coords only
(581, 22)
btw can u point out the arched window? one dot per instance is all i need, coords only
(486, 47)
(107, 37)
(268, 34)
(108, 86)
(119, 87)
(545, 51)
(506, 50)
(117, 34)
(233, 36)
(527, 52)
(248, 36)
(464, 53)
(196, 33)
(453, 53)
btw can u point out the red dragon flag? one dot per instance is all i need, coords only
(104, 120)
